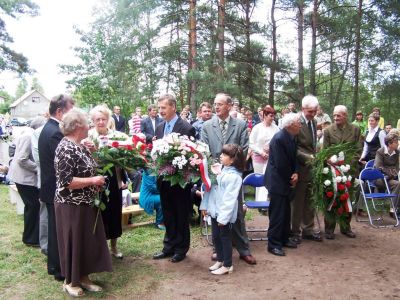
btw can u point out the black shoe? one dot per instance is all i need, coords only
(290, 244)
(276, 251)
(162, 255)
(296, 239)
(44, 252)
(329, 235)
(58, 277)
(349, 234)
(316, 237)
(178, 257)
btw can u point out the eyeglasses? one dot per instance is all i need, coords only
(219, 104)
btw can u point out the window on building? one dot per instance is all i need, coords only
(35, 99)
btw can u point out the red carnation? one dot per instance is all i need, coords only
(129, 147)
(344, 197)
(348, 184)
(136, 139)
(340, 211)
(115, 144)
(341, 187)
(143, 147)
(150, 146)
(329, 194)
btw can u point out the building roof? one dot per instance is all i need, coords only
(26, 95)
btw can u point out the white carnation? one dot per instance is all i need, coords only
(338, 179)
(344, 178)
(325, 171)
(334, 159)
(343, 168)
(341, 156)
(327, 182)
(349, 178)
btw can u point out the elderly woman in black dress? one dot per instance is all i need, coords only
(82, 252)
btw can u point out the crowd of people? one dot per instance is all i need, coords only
(55, 174)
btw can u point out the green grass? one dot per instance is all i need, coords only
(23, 271)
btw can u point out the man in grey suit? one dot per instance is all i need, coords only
(220, 130)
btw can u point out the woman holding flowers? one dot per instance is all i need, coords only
(81, 251)
(99, 136)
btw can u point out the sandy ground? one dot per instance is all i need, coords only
(366, 267)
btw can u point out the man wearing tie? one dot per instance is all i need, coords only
(148, 125)
(302, 211)
(222, 129)
(175, 201)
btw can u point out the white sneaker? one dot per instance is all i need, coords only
(223, 270)
(216, 266)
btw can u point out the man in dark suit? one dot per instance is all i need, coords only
(148, 125)
(48, 141)
(280, 178)
(302, 211)
(220, 130)
(118, 119)
(175, 201)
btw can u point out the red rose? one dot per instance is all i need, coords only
(334, 204)
(136, 139)
(150, 146)
(348, 184)
(340, 211)
(341, 187)
(344, 197)
(329, 194)
(129, 147)
(115, 144)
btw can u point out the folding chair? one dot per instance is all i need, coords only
(370, 164)
(255, 180)
(377, 199)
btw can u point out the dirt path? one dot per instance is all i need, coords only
(363, 268)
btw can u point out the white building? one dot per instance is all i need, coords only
(30, 105)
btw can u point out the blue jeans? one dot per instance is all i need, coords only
(222, 238)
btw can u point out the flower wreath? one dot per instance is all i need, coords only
(333, 180)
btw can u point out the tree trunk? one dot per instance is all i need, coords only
(180, 79)
(300, 34)
(271, 87)
(313, 58)
(192, 84)
(221, 35)
(357, 53)
(249, 66)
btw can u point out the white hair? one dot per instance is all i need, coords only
(340, 108)
(309, 101)
(290, 118)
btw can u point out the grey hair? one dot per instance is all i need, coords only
(37, 122)
(340, 108)
(227, 98)
(101, 109)
(289, 119)
(309, 101)
(72, 120)
(390, 138)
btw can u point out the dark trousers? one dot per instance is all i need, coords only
(330, 224)
(176, 208)
(279, 221)
(53, 259)
(240, 239)
(222, 239)
(30, 196)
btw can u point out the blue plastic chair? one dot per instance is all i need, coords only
(369, 175)
(370, 164)
(255, 180)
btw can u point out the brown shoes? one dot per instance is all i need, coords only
(249, 259)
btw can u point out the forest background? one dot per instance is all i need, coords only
(344, 52)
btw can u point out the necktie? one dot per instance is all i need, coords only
(168, 129)
(223, 130)
(310, 128)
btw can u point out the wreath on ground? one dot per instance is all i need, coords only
(334, 181)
